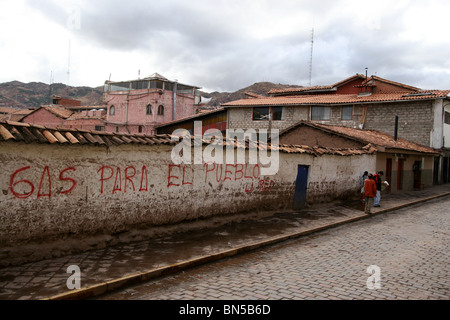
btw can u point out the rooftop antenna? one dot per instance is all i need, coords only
(311, 56)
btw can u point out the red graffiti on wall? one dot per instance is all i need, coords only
(224, 172)
(128, 182)
(173, 180)
(45, 183)
(261, 185)
(219, 173)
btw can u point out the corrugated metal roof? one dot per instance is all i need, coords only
(28, 133)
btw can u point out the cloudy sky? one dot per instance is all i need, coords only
(224, 45)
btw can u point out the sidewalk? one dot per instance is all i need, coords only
(114, 267)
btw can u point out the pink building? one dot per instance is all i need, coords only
(53, 116)
(138, 106)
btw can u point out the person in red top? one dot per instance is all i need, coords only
(370, 191)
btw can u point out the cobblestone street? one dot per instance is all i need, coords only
(409, 246)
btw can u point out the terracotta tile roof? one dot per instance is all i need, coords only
(28, 133)
(373, 79)
(375, 138)
(195, 116)
(316, 88)
(339, 99)
(7, 110)
(79, 116)
(300, 89)
(57, 111)
(253, 95)
(13, 114)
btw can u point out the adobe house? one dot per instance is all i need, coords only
(406, 165)
(138, 106)
(369, 103)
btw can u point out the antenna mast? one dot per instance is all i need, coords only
(311, 57)
(68, 72)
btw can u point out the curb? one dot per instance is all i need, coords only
(104, 287)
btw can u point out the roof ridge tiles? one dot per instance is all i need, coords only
(33, 133)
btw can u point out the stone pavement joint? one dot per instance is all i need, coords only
(147, 260)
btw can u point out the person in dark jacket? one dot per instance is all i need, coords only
(370, 191)
(377, 178)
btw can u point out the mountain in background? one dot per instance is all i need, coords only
(259, 88)
(16, 94)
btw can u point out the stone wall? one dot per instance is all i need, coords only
(242, 118)
(415, 119)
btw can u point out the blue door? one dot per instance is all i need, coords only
(301, 185)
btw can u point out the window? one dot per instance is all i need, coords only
(117, 129)
(265, 113)
(156, 84)
(99, 128)
(261, 113)
(320, 113)
(161, 110)
(136, 85)
(347, 113)
(447, 117)
(277, 113)
(140, 129)
(112, 110)
(149, 109)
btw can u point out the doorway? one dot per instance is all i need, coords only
(400, 174)
(301, 185)
(417, 174)
(389, 173)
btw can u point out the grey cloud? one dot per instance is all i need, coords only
(213, 40)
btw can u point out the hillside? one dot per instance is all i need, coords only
(16, 94)
(260, 88)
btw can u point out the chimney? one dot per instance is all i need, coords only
(396, 128)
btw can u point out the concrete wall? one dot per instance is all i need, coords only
(407, 176)
(446, 130)
(59, 199)
(415, 120)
